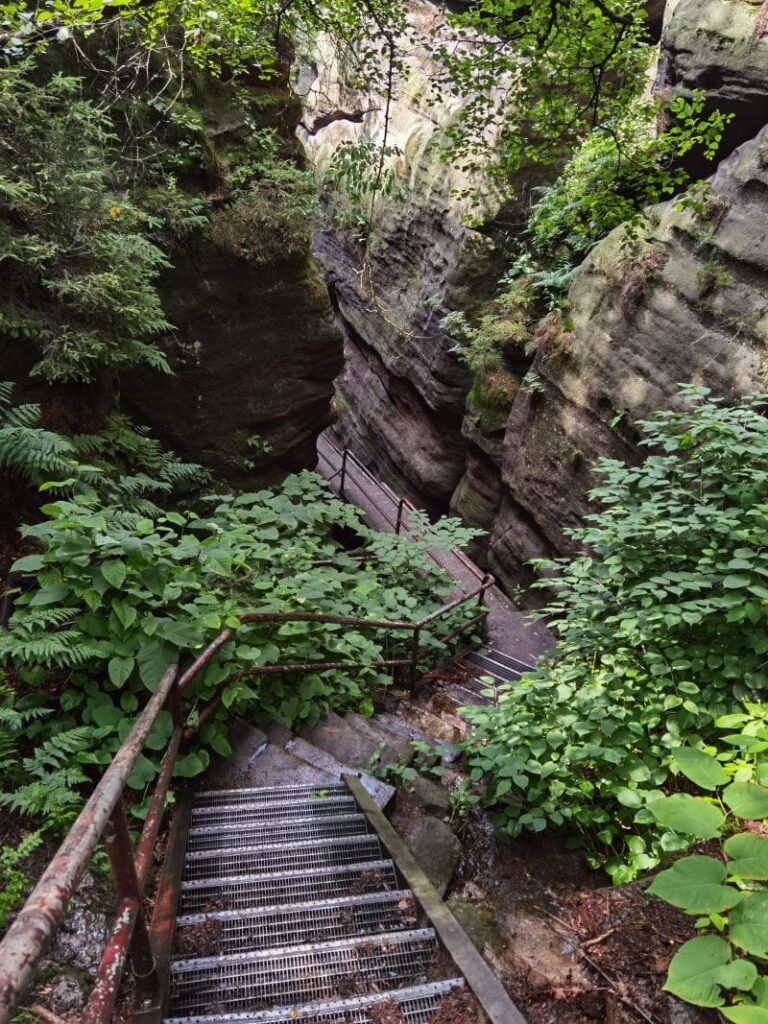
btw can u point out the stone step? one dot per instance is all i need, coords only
(330, 766)
(401, 727)
(344, 743)
(391, 748)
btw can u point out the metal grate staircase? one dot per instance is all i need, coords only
(291, 910)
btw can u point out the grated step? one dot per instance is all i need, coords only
(267, 794)
(273, 810)
(290, 975)
(499, 666)
(232, 931)
(284, 887)
(277, 857)
(417, 1005)
(257, 833)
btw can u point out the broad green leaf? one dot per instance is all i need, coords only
(29, 563)
(54, 593)
(748, 856)
(114, 572)
(695, 884)
(153, 659)
(191, 764)
(702, 968)
(221, 744)
(745, 1014)
(699, 767)
(747, 800)
(119, 670)
(143, 773)
(693, 816)
(107, 714)
(749, 924)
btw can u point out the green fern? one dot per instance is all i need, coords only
(121, 465)
(26, 448)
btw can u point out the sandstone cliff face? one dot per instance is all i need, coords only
(720, 47)
(689, 303)
(254, 368)
(402, 391)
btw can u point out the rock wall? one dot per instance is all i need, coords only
(720, 47)
(402, 391)
(257, 353)
(688, 303)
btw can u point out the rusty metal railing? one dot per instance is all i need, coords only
(401, 507)
(104, 816)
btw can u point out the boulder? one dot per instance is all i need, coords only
(432, 843)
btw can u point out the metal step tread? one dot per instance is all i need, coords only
(311, 921)
(282, 977)
(417, 1005)
(280, 888)
(271, 857)
(495, 662)
(270, 810)
(265, 833)
(261, 956)
(213, 797)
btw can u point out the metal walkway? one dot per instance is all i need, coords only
(295, 905)
(511, 630)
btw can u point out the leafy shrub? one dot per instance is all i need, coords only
(118, 597)
(271, 219)
(502, 334)
(122, 464)
(619, 171)
(726, 891)
(78, 272)
(14, 882)
(661, 627)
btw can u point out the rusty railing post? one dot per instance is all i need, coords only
(343, 472)
(118, 844)
(399, 523)
(415, 644)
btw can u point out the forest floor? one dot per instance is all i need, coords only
(569, 947)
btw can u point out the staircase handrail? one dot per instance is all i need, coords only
(402, 504)
(41, 916)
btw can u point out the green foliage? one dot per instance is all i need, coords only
(117, 597)
(661, 629)
(724, 890)
(270, 220)
(500, 338)
(78, 273)
(619, 171)
(358, 177)
(14, 882)
(121, 465)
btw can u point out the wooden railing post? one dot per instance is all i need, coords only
(399, 523)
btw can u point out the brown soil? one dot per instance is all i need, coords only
(619, 939)
(386, 1013)
(201, 939)
(457, 1008)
